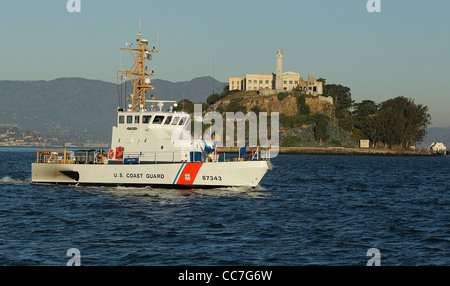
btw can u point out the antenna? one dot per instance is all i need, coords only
(137, 73)
(140, 18)
(157, 39)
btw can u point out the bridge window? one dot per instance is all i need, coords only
(121, 119)
(175, 120)
(182, 121)
(168, 120)
(158, 119)
(136, 119)
(146, 119)
(129, 119)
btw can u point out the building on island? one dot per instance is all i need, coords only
(280, 81)
(437, 147)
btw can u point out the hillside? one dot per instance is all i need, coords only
(80, 110)
(304, 119)
(196, 90)
(272, 103)
(437, 134)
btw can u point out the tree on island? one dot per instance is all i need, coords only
(365, 108)
(398, 121)
(342, 98)
(320, 128)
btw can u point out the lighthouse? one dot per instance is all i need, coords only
(279, 74)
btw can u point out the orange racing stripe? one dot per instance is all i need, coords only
(189, 173)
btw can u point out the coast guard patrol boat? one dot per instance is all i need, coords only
(144, 150)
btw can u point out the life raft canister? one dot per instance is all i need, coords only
(111, 153)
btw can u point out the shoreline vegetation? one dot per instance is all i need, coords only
(336, 151)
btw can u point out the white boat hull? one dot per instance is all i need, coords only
(173, 175)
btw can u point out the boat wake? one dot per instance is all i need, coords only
(259, 191)
(9, 180)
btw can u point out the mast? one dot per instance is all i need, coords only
(137, 73)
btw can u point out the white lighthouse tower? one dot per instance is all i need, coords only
(279, 74)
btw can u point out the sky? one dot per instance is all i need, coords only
(403, 50)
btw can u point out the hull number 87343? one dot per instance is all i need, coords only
(211, 178)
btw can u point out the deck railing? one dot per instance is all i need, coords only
(54, 156)
(95, 157)
(163, 156)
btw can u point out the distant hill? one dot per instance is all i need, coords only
(78, 109)
(437, 134)
(196, 90)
